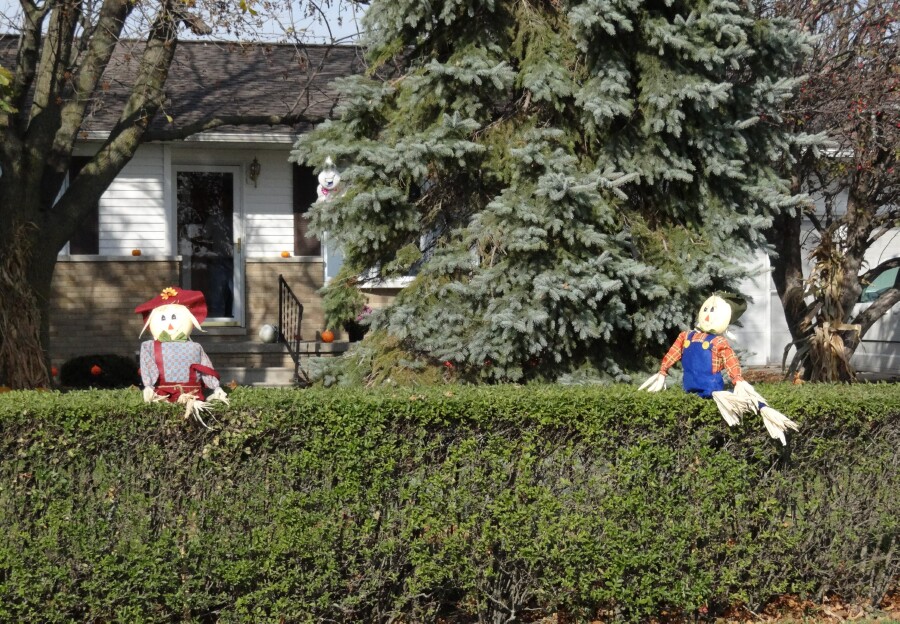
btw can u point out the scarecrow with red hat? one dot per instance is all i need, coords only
(173, 367)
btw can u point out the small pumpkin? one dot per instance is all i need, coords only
(327, 336)
(96, 370)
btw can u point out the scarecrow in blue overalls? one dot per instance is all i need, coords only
(705, 355)
(174, 368)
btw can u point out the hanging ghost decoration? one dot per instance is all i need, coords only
(705, 356)
(329, 182)
(173, 367)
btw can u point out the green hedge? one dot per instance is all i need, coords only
(483, 503)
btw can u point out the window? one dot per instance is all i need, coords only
(883, 281)
(305, 183)
(87, 238)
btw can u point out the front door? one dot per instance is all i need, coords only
(209, 239)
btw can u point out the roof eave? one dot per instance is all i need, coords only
(271, 138)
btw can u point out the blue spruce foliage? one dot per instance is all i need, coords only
(575, 176)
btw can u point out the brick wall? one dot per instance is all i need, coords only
(304, 278)
(92, 306)
(380, 297)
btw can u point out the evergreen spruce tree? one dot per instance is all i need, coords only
(568, 178)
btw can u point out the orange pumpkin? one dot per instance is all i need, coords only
(327, 336)
(135, 252)
(285, 254)
(96, 370)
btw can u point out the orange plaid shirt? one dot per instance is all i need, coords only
(723, 357)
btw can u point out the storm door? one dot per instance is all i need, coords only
(209, 239)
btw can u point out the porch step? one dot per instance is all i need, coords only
(270, 377)
(253, 363)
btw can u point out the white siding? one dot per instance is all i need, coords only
(137, 210)
(751, 338)
(267, 206)
(133, 212)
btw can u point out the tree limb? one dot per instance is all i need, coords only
(887, 300)
(27, 58)
(109, 27)
(54, 64)
(868, 276)
(143, 103)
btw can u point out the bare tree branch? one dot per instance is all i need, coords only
(886, 300)
(869, 275)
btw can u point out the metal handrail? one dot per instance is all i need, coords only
(290, 315)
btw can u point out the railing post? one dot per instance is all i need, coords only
(280, 307)
(290, 316)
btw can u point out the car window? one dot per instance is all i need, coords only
(883, 281)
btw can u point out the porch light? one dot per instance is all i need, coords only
(254, 171)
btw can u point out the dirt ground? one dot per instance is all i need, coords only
(774, 374)
(785, 610)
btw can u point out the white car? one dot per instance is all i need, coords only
(878, 354)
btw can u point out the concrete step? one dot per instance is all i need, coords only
(252, 363)
(271, 377)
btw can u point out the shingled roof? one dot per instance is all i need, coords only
(225, 79)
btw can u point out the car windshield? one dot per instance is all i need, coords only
(883, 281)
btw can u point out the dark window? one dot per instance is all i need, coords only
(206, 237)
(305, 183)
(87, 238)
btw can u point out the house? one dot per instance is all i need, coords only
(221, 212)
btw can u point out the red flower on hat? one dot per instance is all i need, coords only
(193, 300)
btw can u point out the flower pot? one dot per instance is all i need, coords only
(355, 331)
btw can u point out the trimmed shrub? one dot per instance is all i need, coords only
(99, 371)
(480, 504)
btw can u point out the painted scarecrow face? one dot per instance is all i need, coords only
(714, 316)
(171, 322)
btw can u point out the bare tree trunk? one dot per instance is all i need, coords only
(35, 220)
(65, 47)
(785, 236)
(787, 271)
(24, 305)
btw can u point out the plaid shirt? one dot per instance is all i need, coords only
(177, 359)
(723, 357)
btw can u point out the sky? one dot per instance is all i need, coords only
(315, 29)
(344, 32)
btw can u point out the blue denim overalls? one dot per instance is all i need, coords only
(696, 359)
